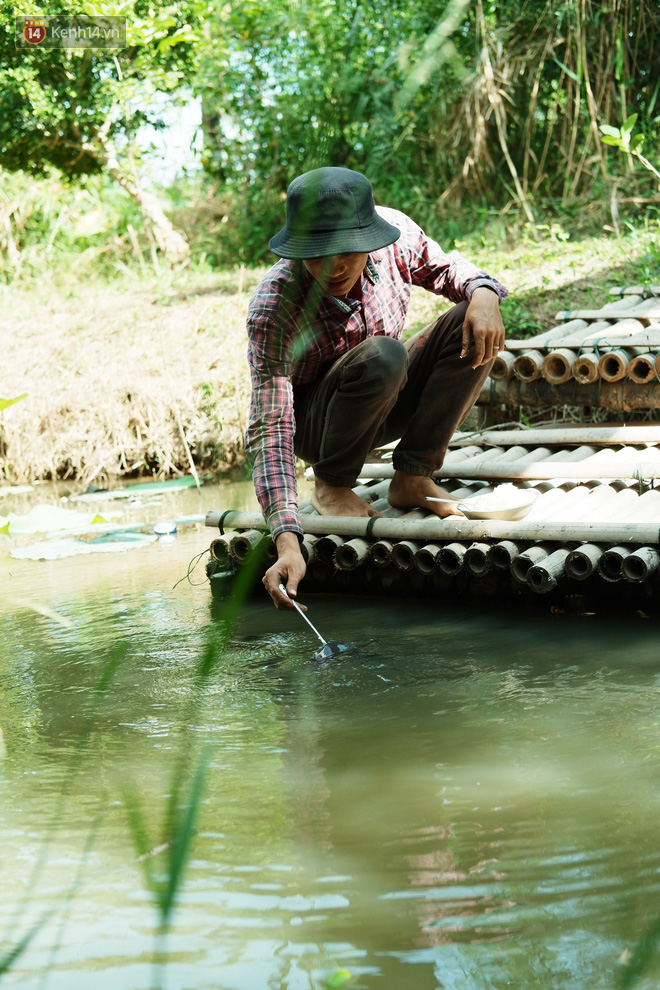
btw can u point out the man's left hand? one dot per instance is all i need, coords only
(483, 326)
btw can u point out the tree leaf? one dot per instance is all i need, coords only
(629, 123)
(610, 139)
(612, 131)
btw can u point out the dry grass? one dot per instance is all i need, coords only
(115, 374)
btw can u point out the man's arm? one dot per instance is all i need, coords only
(269, 442)
(457, 279)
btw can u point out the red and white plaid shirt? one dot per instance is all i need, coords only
(295, 331)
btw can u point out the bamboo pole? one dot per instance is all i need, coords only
(403, 555)
(548, 337)
(352, 554)
(477, 560)
(527, 366)
(579, 434)
(642, 368)
(502, 554)
(632, 307)
(502, 368)
(648, 310)
(610, 565)
(433, 528)
(641, 564)
(624, 395)
(241, 544)
(544, 470)
(583, 561)
(326, 547)
(219, 550)
(637, 290)
(308, 548)
(426, 558)
(613, 365)
(585, 368)
(521, 564)
(557, 367)
(381, 553)
(546, 574)
(451, 557)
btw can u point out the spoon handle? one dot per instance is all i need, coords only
(301, 613)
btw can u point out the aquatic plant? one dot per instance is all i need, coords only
(17, 945)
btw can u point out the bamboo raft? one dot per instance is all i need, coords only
(592, 536)
(607, 357)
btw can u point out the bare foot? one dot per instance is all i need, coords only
(331, 501)
(409, 491)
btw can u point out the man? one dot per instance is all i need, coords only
(331, 378)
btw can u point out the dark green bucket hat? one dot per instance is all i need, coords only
(331, 211)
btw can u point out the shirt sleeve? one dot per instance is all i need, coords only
(450, 275)
(271, 428)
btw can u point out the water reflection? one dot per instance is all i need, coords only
(471, 802)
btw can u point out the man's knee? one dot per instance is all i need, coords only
(383, 362)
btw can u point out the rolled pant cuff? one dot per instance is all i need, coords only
(336, 480)
(410, 467)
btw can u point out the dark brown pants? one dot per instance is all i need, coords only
(420, 390)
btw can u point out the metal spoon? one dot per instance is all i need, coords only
(328, 649)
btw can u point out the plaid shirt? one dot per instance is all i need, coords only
(296, 330)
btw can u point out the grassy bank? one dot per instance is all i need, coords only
(135, 375)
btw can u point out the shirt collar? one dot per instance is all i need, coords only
(348, 305)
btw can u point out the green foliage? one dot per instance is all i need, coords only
(447, 107)
(59, 106)
(624, 139)
(176, 840)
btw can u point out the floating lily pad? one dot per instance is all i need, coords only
(51, 519)
(76, 546)
(141, 489)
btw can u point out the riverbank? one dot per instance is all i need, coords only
(142, 375)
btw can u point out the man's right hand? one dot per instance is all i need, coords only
(289, 569)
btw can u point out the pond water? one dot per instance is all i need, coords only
(471, 801)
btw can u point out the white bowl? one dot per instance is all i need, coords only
(486, 506)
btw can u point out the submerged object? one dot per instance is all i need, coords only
(327, 650)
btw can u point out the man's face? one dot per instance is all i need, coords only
(337, 273)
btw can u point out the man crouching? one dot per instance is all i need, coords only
(331, 378)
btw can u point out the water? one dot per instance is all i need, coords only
(470, 802)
